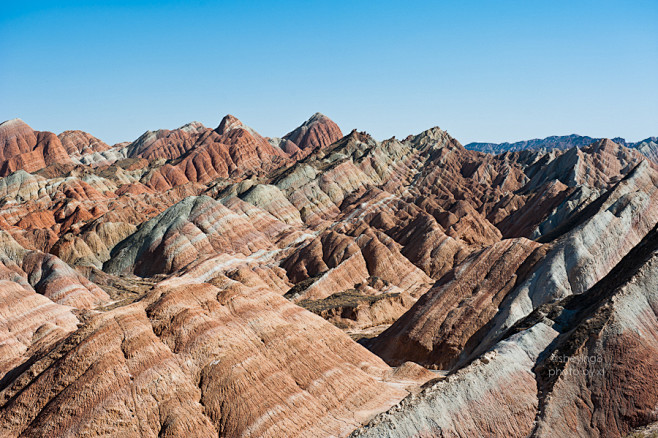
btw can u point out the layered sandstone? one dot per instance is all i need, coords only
(211, 282)
(568, 369)
(26, 149)
(315, 133)
(205, 359)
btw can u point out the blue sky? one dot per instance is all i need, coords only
(482, 70)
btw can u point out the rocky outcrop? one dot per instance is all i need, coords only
(338, 262)
(569, 368)
(431, 333)
(272, 200)
(166, 144)
(446, 319)
(206, 359)
(29, 322)
(21, 148)
(193, 228)
(362, 308)
(610, 227)
(315, 133)
(231, 149)
(48, 275)
(92, 246)
(494, 396)
(80, 143)
(648, 148)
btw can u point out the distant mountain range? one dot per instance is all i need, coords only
(648, 147)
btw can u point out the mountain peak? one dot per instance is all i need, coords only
(193, 127)
(228, 123)
(605, 143)
(317, 117)
(13, 124)
(318, 131)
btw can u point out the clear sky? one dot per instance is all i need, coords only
(482, 70)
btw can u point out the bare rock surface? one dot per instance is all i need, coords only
(573, 365)
(436, 330)
(209, 282)
(205, 359)
(317, 132)
(23, 148)
(186, 231)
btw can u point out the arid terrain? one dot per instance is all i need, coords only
(205, 282)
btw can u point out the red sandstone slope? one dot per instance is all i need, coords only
(232, 149)
(202, 359)
(473, 304)
(584, 366)
(82, 143)
(436, 330)
(317, 132)
(166, 144)
(23, 148)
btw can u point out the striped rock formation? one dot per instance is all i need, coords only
(209, 282)
(582, 366)
(26, 149)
